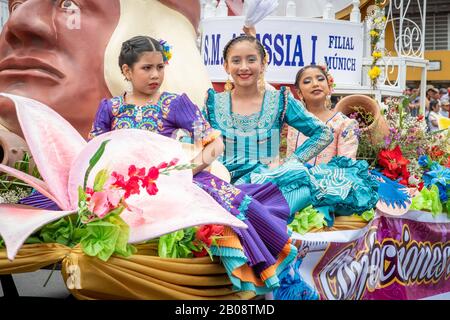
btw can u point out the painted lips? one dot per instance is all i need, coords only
(29, 67)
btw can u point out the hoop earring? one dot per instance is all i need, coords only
(128, 87)
(228, 85)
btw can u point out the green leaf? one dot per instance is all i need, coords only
(93, 161)
(428, 200)
(2, 243)
(100, 239)
(81, 195)
(100, 180)
(178, 244)
(368, 215)
(307, 219)
(122, 247)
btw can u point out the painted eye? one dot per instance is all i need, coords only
(69, 5)
(14, 5)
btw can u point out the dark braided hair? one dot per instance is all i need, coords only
(300, 72)
(133, 48)
(251, 39)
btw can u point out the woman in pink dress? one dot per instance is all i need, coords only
(314, 85)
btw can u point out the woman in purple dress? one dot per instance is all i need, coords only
(265, 248)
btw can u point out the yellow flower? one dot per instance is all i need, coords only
(374, 73)
(374, 34)
(377, 20)
(383, 18)
(377, 54)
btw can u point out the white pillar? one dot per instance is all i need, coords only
(291, 9)
(329, 12)
(355, 16)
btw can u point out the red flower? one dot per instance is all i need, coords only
(151, 188)
(148, 182)
(200, 253)
(162, 165)
(392, 159)
(120, 181)
(132, 187)
(420, 117)
(153, 174)
(206, 232)
(133, 171)
(394, 164)
(436, 152)
(448, 162)
(173, 162)
(420, 186)
(89, 191)
(391, 175)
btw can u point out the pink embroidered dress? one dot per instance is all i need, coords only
(345, 141)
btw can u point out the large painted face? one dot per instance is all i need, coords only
(53, 51)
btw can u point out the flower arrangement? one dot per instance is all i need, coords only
(377, 23)
(13, 189)
(412, 156)
(191, 242)
(167, 51)
(98, 226)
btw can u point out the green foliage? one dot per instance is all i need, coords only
(306, 220)
(178, 244)
(8, 183)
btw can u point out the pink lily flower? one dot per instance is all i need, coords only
(62, 158)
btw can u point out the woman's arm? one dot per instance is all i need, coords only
(320, 136)
(103, 119)
(209, 153)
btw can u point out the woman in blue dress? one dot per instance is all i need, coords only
(250, 119)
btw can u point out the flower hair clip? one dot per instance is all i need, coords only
(167, 54)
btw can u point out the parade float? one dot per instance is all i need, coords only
(399, 250)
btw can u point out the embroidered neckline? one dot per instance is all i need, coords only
(264, 119)
(156, 103)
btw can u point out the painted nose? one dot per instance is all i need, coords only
(31, 25)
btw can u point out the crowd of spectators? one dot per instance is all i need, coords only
(437, 104)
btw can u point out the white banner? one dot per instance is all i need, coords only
(290, 43)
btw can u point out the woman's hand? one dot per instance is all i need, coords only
(250, 31)
(207, 156)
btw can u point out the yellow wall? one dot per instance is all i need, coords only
(442, 75)
(413, 74)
